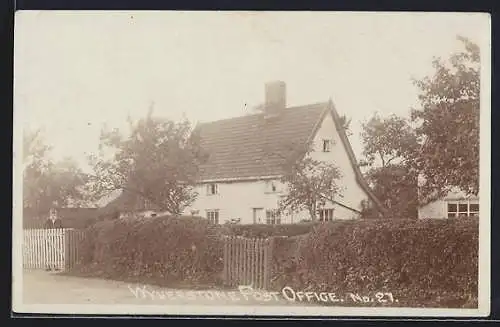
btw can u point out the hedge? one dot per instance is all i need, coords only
(431, 263)
(423, 263)
(264, 231)
(159, 250)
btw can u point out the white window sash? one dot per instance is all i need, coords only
(325, 214)
(468, 212)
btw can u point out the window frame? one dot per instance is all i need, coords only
(475, 212)
(213, 216)
(459, 210)
(329, 214)
(273, 217)
(271, 187)
(147, 203)
(212, 187)
(327, 145)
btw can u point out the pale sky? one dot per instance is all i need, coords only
(77, 71)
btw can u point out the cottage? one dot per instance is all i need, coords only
(240, 182)
(454, 204)
(125, 203)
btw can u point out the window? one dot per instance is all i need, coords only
(452, 210)
(327, 145)
(147, 204)
(463, 209)
(273, 217)
(212, 189)
(271, 187)
(325, 215)
(474, 209)
(213, 216)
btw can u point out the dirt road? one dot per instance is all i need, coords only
(40, 287)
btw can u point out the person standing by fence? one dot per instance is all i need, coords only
(53, 222)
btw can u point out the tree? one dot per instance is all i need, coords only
(395, 185)
(310, 184)
(35, 166)
(388, 140)
(448, 122)
(346, 124)
(34, 149)
(46, 183)
(390, 145)
(158, 161)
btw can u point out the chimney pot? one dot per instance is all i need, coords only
(275, 96)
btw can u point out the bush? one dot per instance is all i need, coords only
(264, 231)
(160, 250)
(432, 262)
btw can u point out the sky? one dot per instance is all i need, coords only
(74, 72)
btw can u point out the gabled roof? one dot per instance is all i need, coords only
(256, 147)
(123, 200)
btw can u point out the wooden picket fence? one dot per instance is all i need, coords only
(56, 248)
(247, 261)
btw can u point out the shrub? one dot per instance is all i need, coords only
(161, 250)
(432, 262)
(263, 231)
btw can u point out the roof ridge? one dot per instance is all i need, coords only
(323, 103)
(352, 157)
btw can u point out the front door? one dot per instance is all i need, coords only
(258, 215)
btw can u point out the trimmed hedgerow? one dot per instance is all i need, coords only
(422, 263)
(263, 231)
(159, 250)
(432, 263)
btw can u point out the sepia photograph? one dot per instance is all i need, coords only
(246, 163)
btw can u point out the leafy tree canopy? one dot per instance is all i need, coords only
(46, 183)
(311, 184)
(158, 160)
(448, 122)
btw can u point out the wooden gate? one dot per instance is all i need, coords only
(55, 248)
(247, 261)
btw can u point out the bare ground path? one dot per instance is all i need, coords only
(40, 287)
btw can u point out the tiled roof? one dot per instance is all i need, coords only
(124, 200)
(252, 146)
(255, 146)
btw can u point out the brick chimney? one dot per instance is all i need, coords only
(275, 97)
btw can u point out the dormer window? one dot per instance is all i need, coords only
(212, 189)
(327, 145)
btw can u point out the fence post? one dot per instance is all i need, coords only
(241, 261)
(267, 262)
(240, 256)
(252, 264)
(245, 263)
(233, 260)
(68, 244)
(259, 263)
(225, 272)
